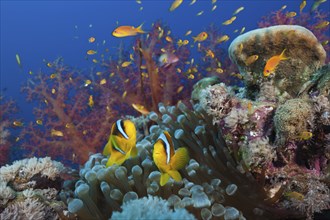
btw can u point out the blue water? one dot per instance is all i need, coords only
(41, 31)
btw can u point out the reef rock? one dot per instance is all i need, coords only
(293, 118)
(305, 54)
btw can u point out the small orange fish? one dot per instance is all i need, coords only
(273, 62)
(18, 123)
(125, 31)
(175, 4)
(168, 161)
(251, 59)
(141, 109)
(91, 39)
(201, 37)
(91, 52)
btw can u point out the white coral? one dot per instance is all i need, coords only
(27, 168)
(150, 208)
(27, 209)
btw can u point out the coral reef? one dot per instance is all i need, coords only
(150, 207)
(305, 54)
(293, 118)
(213, 185)
(28, 189)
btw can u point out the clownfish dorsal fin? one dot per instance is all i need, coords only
(120, 128)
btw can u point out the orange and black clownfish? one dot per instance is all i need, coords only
(122, 142)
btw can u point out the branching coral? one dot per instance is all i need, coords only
(145, 81)
(66, 126)
(28, 189)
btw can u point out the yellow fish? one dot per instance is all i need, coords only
(187, 33)
(251, 59)
(290, 14)
(224, 38)
(18, 60)
(91, 39)
(175, 4)
(273, 62)
(168, 39)
(238, 10)
(125, 31)
(323, 24)
(228, 22)
(209, 53)
(168, 161)
(122, 142)
(91, 52)
(302, 5)
(90, 101)
(201, 37)
(140, 108)
(305, 135)
(17, 123)
(39, 121)
(57, 133)
(126, 64)
(294, 195)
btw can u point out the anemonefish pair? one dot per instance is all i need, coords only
(168, 161)
(122, 142)
(122, 145)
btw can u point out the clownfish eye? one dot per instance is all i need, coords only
(267, 71)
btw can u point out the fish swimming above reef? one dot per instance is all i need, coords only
(168, 161)
(175, 5)
(273, 62)
(122, 142)
(125, 31)
(201, 37)
(166, 59)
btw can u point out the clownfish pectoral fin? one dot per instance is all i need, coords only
(164, 178)
(134, 152)
(116, 158)
(179, 159)
(107, 149)
(175, 175)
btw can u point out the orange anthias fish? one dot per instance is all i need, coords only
(122, 142)
(125, 31)
(273, 62)
(168, 161)
(201, 37)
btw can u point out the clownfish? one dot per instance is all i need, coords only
(122, 142)
(168, 161)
